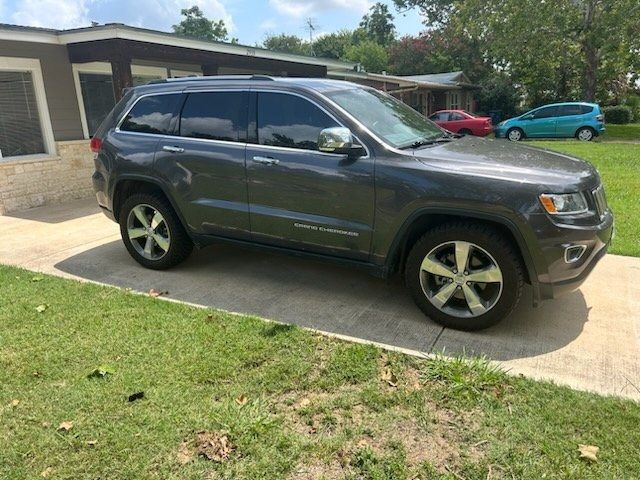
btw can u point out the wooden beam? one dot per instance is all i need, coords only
(122, 78)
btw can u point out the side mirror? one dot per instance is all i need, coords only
(339, 140)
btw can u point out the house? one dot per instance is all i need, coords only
(56, 86)
(425, 93)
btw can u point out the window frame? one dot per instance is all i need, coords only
(104, 68)
(252, 130)
(171, 129)
(33, 66)
(557, 108)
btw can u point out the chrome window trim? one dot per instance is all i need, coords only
(218, 89)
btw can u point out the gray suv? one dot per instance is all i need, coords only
(346, 173)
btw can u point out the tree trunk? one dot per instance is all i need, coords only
(592, 62)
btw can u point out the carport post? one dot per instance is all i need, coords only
(121, 73)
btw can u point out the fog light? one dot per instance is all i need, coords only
(574, 253)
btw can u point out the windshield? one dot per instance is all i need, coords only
(396, 123)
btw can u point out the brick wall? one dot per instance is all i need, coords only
(32, 182)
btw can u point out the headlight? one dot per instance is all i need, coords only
(566, 203)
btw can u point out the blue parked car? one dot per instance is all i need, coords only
(583, 121)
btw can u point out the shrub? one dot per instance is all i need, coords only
(620, 114)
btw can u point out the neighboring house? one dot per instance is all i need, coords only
(426, 93)
(56, 86)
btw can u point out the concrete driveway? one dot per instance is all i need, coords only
(589, 339)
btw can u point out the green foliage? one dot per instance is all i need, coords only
(373, 466)
(498, 93)
(378, 24)
(351, 364)
(196, 25)
(333, 45)
(633, 102)
(372, 56)
(620, 114)
(287, 44)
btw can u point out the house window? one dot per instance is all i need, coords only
(25, 127)
(469, 106)
(98, 99)
(454, 100)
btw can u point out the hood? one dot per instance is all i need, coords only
(509, 161)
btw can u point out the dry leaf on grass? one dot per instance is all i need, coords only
(46, 472)
(388, 376)
(91, 443)
(305, 402)
(65, 426)
(156, 293)
(589, 452)
(41, 308)
(214, 446)
(15, 403)
(185, 455)
(242, 400)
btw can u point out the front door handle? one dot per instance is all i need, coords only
(169, 148)
(266, 160)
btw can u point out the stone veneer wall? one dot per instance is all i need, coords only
(32, 182)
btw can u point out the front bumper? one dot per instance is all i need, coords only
(563, 277)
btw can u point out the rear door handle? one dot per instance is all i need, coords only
(169, 148)
(266, 160)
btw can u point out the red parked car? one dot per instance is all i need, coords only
(459, 121)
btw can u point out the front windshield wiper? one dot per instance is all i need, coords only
(429, 141)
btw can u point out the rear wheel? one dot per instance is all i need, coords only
(465, 131)
(515, 134)
(152, 232)
(465, 276)
(585, 134)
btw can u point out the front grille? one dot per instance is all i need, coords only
(600, 200)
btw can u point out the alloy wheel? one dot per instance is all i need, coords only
(515, 135)
(461, 279)
(148, 232)
(585, 134)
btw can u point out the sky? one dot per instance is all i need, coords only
(248, 20)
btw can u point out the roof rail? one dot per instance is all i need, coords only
(200, 78)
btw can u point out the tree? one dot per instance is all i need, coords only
(196, 25)
(378, 24)
(372, 56)
(287, 44)
(559, 49)
(498, 93)
(333, 45)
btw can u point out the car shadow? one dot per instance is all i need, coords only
(331, 298)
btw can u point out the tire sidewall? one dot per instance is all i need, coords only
(496, 246)
(175, 229)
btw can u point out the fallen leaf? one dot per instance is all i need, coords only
(92, 443)
(66, 426)
(46, 424)
(589, 452)
(15, 403)
(101, 372)
(37, 278)
(46, 472)
(41, 308)
(136, 396)
(36, 374)
(214, 446)
(242, 400)
(388, 376)
(305, 402)
(156, 293)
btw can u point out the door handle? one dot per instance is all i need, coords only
(266, 160)
(169, 148)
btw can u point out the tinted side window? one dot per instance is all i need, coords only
(440, 117)
(546, 112)
(586, 109)
(567, 110)
(456, 116)
(152, 114)
(214, 115)
(290, 121)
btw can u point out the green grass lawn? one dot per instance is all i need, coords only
(619, 165)
(621, 133)
(236, 397)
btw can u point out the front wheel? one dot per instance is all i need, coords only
(465, 276)
(585, 134)
(152, 232)
(515, 134)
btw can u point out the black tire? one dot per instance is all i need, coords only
(465, 131)
(585, 134)
(180, 245)
(515, 130)
(485, 237)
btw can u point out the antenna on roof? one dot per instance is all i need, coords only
(311, 25)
